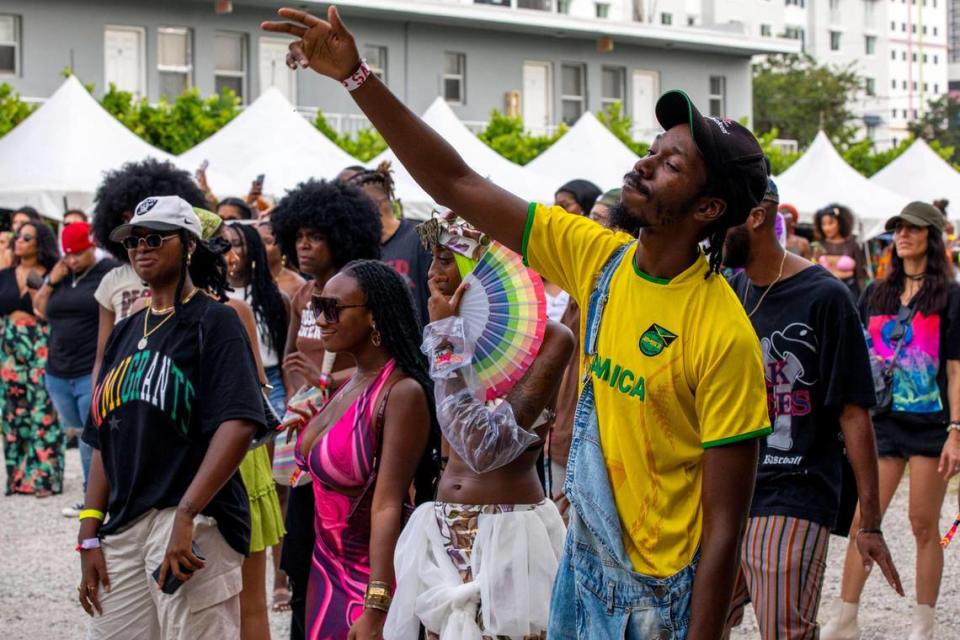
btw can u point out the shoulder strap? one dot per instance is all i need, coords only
(598, 299)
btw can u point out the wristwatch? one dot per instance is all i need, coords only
(953, 426)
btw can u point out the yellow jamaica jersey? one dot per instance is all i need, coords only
(678, 370)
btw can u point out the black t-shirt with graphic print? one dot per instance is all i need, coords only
(816, 362)
(406, 255)
(155, 411)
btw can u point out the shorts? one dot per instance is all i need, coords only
(898, 438)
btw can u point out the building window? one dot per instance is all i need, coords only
(614, 83)
(573, 96)
(914, 85)
(454, 76)
(936, 88)
(926, 86)
(893, 26)
(174, 60)
(870, 86)
(766, 30)
(934, 31)
(9, 45)
(870, 45)
(914, 57)
(893, 113)
(603, 10)
(936, 59)
(230, 64)
(835, 40)
(691, 21)
(893, 84)
(794, 33)
(903, 85)
(718, 95)
(924, 57)
(376, 57)
(666, 18)
(893, 54)
(563, 6)
(903, 56)
(903, 27)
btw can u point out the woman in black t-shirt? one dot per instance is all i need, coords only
(175, 408)
(32, 436)
(66, 302)
(919, 427)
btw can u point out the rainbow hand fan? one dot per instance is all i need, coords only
(504, 315)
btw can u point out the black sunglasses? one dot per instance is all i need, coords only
(331, 307)
(26, 237)
(901, 327)
(153, 241)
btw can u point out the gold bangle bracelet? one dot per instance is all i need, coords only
(379, 605)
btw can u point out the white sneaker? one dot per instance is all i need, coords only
(72, 511)
(923, 623)
(843, 622)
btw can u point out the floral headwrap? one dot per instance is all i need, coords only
(209, 222)
(446, 230)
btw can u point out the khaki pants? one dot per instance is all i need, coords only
(206, 606)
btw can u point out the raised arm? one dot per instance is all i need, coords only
(329, 49)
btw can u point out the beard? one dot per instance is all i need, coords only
(621, 219)
(736, 248)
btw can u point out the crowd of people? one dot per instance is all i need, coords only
(713, 396)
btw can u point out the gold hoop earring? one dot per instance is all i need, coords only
(375, 336)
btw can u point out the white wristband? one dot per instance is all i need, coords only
(90, 543)
(360, 76)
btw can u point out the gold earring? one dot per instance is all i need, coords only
(375, 337)
(189, 259)
(253, 265)
(283, 261)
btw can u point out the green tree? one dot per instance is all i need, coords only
(798, 97)
(13, 110)
(174, 127)
(780, 160)
(365, 145)
(622, 127)
(941, 124)
(507, 136)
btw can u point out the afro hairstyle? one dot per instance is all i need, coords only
(346, 215)
(124, 188)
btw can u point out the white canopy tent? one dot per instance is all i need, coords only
(588, 151)
(520, 180)
(58, 155)
(269, 137)
(821, 177)
(920, 174)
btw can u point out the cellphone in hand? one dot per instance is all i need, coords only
(172, 583)
(258, 181)
(204, 165)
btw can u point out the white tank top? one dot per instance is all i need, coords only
(268, 356)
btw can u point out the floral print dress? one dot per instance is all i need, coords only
(33, 440)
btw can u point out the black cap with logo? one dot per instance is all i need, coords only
(732, 154)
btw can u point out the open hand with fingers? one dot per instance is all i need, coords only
(873, 548)
(439, 306)
(323, 45)
(93, 573)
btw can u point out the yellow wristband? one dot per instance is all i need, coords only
(91, 513)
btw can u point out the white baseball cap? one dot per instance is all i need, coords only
(160, 213)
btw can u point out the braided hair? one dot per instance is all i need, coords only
(389, 299)
(382, 177)
(207, 268)
(265, 297)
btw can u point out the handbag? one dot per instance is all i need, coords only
(897, 336)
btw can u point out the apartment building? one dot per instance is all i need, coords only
(898, 46)
(547, 60)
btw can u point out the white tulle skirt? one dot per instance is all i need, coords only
(513, 562)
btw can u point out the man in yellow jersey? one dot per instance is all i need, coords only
(673, 400)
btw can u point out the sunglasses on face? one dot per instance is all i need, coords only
(152, 241)
(331, 307)
(26, 237)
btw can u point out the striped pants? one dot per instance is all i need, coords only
(782, 561)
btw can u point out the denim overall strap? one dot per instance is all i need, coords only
(588, 484)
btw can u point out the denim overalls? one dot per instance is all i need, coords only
(597, 594)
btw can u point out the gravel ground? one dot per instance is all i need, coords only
(39, 576)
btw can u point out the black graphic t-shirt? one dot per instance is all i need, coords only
(815, 360)
(920, 377)
(155, 410)
(407, 256)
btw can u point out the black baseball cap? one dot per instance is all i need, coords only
(732, 154)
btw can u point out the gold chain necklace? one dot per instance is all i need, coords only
(142, 344)
(769, 286)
